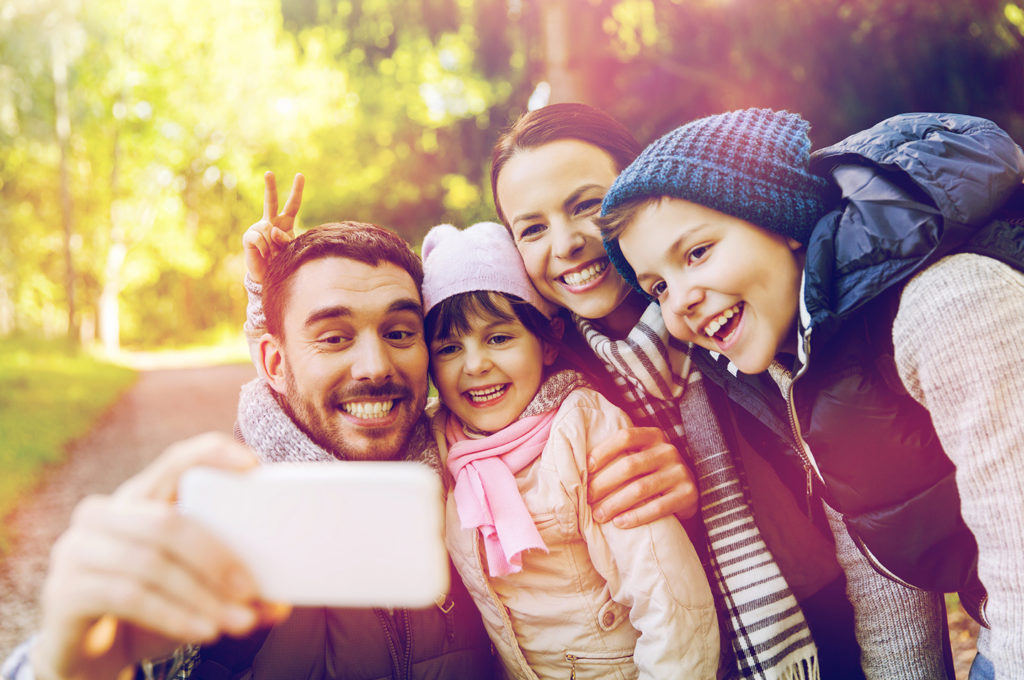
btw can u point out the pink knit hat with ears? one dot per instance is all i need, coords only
(480, 257)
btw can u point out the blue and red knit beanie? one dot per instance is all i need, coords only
(751, 164)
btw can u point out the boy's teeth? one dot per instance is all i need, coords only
(486, 393)
(719, 321)
(585, 276)
(368, 409)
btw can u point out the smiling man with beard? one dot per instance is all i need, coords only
(344, 377)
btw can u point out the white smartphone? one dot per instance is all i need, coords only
(345, 534)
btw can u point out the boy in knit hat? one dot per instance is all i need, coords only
(868, 302)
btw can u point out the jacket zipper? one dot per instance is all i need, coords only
(811, 467)
(573, 658)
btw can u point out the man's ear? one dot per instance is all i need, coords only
(272, 362)
(793, 244)
(550, 349)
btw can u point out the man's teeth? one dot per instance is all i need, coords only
(487, 393)
(368, 409)
(585, 276)
(717, 323)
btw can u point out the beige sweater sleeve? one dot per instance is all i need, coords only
(959, 347)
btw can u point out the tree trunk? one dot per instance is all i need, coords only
(562, 66)
(63, 125)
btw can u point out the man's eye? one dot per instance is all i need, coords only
(332, 339)
(399, 335)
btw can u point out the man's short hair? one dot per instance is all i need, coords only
(358, 241)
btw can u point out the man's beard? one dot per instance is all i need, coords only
(311, 420)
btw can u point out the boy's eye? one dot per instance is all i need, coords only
(697, 254)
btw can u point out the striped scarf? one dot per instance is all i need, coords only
(767, 629)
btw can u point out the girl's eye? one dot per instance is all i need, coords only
(698, 254)
(659, 289)
(499, 339)
(445, 350)
(587, 206)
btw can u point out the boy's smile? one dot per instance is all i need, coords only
(722, 283)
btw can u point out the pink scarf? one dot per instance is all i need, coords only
(486, 494)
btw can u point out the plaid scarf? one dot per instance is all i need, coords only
(767, 629)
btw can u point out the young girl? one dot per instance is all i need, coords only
(869, 296)
(561, 595)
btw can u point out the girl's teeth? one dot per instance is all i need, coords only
(717, 323)
(584, 276)
(487, 393)
(368, 409)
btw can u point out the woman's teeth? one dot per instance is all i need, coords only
(368, 409)
(585, 276)
(717, 323)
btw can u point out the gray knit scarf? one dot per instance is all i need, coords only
(769, 634)
(267, 428)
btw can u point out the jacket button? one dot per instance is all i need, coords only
(607, 619)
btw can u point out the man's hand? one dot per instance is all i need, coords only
(637, 477)
(264, 240)
(132, 579)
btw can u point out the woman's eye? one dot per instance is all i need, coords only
(532, 230)
(587, 206)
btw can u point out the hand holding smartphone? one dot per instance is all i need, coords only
(345, 534)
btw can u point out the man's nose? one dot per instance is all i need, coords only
(372, 360)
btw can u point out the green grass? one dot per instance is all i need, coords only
(49, 395)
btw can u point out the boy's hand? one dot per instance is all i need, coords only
(637, 477)
(263, 240)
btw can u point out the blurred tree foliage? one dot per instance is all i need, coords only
(390, 107)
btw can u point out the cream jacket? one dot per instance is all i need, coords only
(602, 602)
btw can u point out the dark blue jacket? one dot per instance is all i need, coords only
(913, 188)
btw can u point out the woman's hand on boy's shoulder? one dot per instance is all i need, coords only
(637, 477)
(265, 239)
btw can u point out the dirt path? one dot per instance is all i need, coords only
(164, 406)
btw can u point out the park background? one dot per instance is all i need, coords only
(134, 135)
